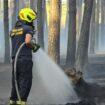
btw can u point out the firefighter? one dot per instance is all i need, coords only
(23, 32)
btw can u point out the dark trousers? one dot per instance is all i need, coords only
(24, 79)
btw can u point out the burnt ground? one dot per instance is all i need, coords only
(95, 73)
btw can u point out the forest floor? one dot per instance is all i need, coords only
(94, 73)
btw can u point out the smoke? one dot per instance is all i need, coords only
(50, 84)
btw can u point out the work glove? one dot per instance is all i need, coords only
(35, 47)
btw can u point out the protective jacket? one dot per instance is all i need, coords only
(18, 37)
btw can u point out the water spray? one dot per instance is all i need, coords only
(49, 81)
(50, 84)
(15, 77)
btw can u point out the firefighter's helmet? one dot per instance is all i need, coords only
(27, 14)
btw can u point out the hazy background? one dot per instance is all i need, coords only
(97, 31)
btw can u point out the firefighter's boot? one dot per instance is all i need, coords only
(12, 102)
(21, 103)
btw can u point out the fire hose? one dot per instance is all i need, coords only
(15, 76)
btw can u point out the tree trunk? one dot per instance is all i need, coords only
(6, 32)
(54, 30)
(33, 4)
(71, 47)
(96, 26)
(40, 22)
(79, 17)
(92, 31)
(15, 12)
(82, 50)
(102, 10)
(21, 4)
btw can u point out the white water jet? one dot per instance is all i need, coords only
(50, 84)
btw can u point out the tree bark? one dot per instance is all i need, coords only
(54, 30)
(40, 23)
(6, 32)
(82, 50)
(71, 47)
